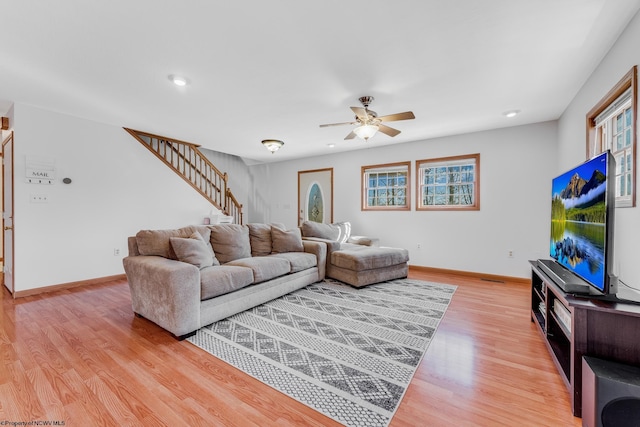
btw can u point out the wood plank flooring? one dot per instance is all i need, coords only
(82, 357)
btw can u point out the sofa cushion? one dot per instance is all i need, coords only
(316, 229)
(264, 268)
(260, 239)
(286, 240)
(339, 231)
(230, 242)
(156, 242)
(222, 279)
(367, 257)
(193, 250)
(299, 260)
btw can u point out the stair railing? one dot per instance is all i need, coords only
(185, 159)
(234, 208)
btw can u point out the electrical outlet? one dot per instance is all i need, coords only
(510, 254)
(116, 252)
(419, 245)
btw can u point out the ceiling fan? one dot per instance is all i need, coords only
(369, 123)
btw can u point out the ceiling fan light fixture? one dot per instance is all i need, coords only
(272, 145)
(178, 80)
(369, 123)
(366, 131)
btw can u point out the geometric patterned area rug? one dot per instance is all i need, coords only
(349, 353)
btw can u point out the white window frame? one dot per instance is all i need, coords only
(441, 182)
(611, 125)
(394, 187)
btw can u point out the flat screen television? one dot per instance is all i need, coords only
(582, 220)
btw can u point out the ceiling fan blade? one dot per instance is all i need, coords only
(387, 130)
(338, 124)
(407, 115)
(350, 136)
(360, 112)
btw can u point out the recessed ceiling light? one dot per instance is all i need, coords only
(331, 145)
(511, 113)
(178, 80)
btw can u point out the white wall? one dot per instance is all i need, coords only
(571, 142)
(118, 188)
(516, 164)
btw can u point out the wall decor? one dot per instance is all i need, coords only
(40, 170)
(315, 195)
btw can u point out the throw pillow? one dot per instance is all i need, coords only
(344, 231)
(286, 240)
(193, 250)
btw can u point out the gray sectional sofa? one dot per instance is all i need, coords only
(186, 278)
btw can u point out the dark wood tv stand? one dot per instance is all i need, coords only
(603, 329)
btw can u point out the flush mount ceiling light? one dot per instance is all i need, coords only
(272, 145)
(511, 113)
(178, 80)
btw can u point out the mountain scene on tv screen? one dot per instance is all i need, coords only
(578, 220)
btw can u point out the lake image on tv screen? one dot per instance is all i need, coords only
(578, 220)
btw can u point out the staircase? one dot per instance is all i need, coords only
(185, 159)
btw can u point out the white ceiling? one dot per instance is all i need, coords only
(278, 69)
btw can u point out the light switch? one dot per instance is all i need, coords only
(39, 198)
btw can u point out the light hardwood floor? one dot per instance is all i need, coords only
(82, 357)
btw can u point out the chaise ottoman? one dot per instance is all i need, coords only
(364, 265)
(356, 260)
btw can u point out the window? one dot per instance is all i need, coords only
(386, 187)
(611, 125)
(449, 183)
